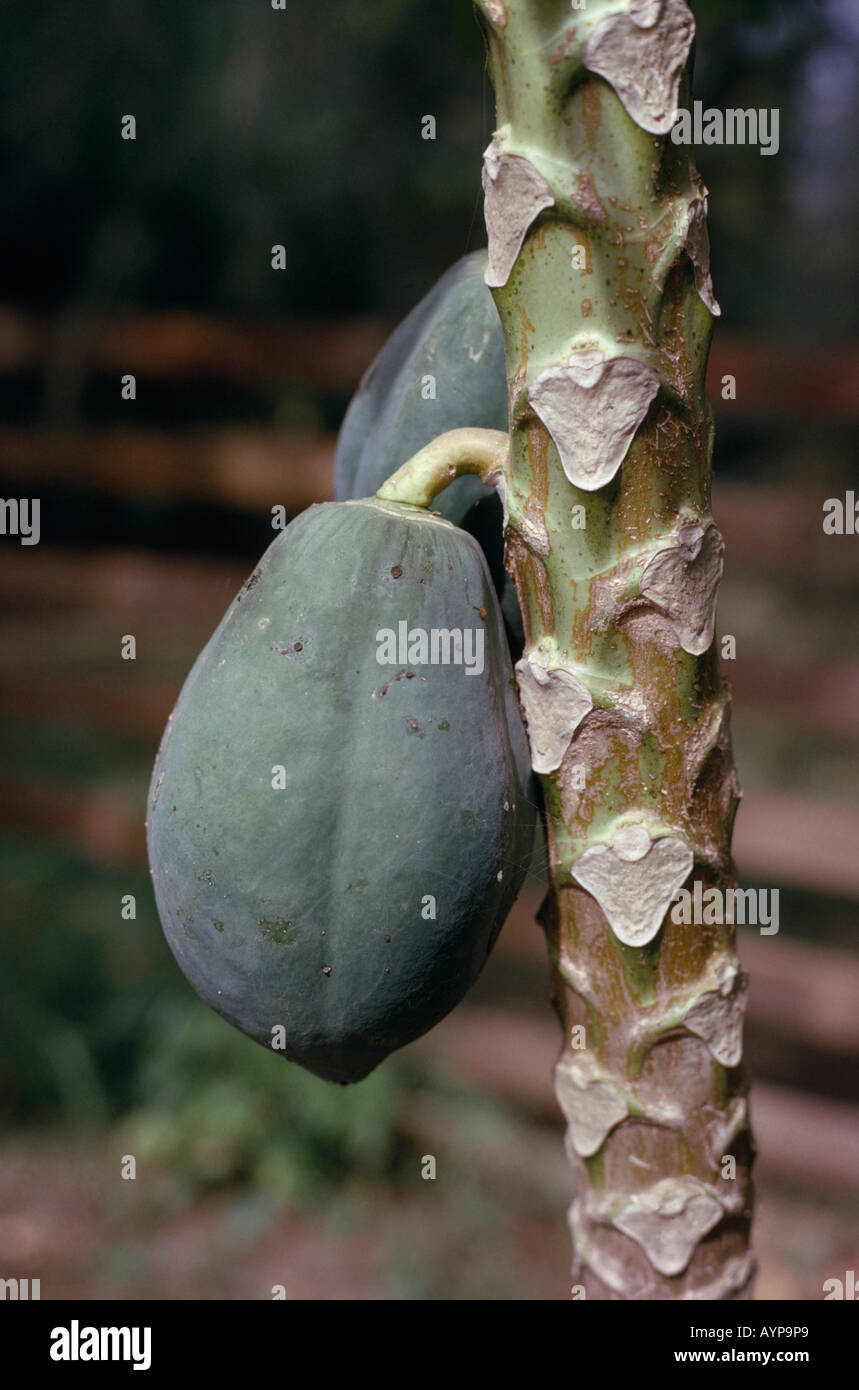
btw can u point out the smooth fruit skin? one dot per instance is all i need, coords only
(453, 335)
(302, 907)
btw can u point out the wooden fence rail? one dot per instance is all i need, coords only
(771, 377)
(772, 529)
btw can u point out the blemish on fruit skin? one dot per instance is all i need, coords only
(415, 728)
(397, 571)
(219, 926)
(279, 930)
(444, 726)
(326, 969)
(467, 818)
(400, 676)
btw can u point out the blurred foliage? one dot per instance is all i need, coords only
(216, 1109)
(303, 127)
(76, 983)
(97, 1025)
(254, 127)
(769, 214)
(71, 750)
(711, 12)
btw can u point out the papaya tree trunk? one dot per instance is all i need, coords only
(598, 263)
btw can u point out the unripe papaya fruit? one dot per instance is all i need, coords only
(337, 826)
(454, 337)
(441, 369)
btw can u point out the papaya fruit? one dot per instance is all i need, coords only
(454, 337)
(341, 811)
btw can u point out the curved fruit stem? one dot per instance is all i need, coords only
(428, 472)
(598, 262)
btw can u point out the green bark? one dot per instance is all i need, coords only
(598, 262)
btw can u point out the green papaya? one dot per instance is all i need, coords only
(341, 811)
(453, 337)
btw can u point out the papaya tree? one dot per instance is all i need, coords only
(342, 808)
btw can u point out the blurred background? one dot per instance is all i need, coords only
(153, 257)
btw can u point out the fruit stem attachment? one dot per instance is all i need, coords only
(433, 468)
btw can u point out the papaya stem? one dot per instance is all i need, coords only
(428, 472)
(598, 265)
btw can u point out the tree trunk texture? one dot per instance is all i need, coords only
(598, 263)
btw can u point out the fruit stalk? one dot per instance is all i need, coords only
(598, 263)
(454, 454)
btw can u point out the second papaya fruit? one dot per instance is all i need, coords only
(442, 369)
